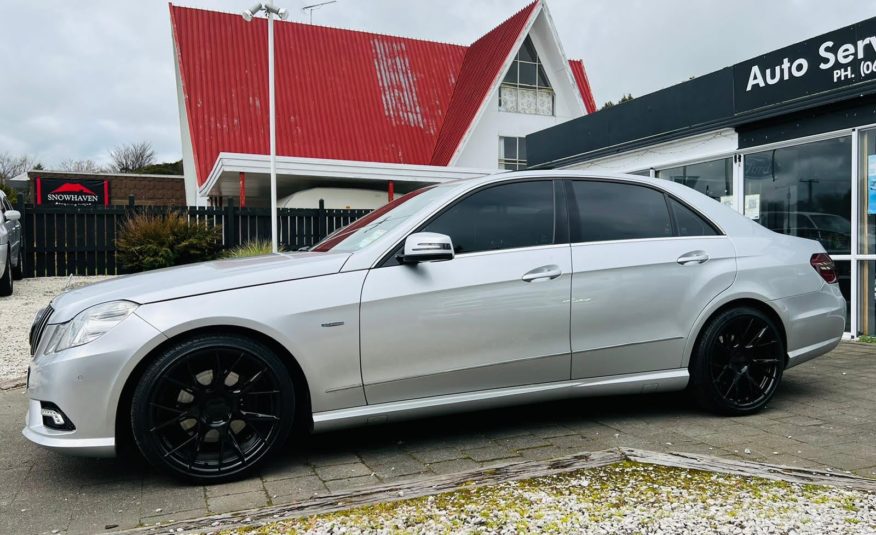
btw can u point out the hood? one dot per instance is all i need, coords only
(195, 279)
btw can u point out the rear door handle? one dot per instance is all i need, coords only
(542, 273)
(693, 257)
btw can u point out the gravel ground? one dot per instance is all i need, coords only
(625, 498)
(16, 315)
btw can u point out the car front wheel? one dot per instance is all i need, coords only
(211, 408)
(738, 362)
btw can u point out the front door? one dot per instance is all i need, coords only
(495, 316)
(645, 266)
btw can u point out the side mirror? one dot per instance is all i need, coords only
(12, 215)
(427, 247)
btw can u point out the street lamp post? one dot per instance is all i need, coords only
(270, 11)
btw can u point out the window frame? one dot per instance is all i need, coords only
(517, 85)
(518, 161)
(562, 220)
(574, 219)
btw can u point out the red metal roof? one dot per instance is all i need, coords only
(342, 94)
(583, 82)
(482, 66)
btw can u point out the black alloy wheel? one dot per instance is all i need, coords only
(210, 409)
(738, 363)
(6, 277)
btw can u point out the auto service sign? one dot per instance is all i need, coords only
(55, 192)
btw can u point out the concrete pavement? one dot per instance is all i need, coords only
(822, 417)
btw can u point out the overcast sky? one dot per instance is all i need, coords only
(81, 76)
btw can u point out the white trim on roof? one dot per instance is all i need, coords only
(293, 166)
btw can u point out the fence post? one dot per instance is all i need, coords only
(321, 221)
(229, 225)
(131, 201)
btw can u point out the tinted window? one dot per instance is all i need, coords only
(502, 217)
(688, 222)
(613, 211)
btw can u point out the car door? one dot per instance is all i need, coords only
(644, 266)
(497, 315)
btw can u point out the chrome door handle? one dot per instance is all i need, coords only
(693, 257)
(542, 273)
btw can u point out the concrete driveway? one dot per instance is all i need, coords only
(822, 417)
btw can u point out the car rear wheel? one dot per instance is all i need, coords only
(6, 278)
(211, 408)
(738, 362)
(18, 270)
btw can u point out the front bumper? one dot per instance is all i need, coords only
(86, 382)
(815, 323)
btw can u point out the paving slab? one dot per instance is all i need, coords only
(827, 415)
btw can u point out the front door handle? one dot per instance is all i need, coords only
(693, 257)
(542, 273)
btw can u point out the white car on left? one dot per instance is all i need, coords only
(11, 255)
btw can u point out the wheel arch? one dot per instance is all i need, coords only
(740, 301)
(303, 411)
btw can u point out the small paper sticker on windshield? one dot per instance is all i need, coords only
(370, 237)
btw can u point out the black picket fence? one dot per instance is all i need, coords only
(65, 240)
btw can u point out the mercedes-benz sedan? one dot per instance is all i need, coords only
(511, 288)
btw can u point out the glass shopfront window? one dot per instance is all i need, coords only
(714, 178)
(867, 192)
(803, 190)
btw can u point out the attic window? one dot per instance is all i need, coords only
(526, 88)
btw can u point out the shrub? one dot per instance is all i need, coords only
(10, 192)
(150, 241)
(253, 248)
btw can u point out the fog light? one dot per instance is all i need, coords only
(54, 418)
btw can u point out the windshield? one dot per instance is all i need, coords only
(366, 230)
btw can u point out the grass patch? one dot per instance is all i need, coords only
(626, 497)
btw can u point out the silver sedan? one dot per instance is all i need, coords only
(511, 288)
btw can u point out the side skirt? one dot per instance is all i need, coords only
(633, 383)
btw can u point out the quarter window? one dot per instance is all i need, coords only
(615, 211)
(507, 216)
(688, 222)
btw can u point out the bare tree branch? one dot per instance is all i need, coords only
(128, 158)
(12, 165)
(81, 166)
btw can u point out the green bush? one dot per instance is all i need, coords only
(150, 241)
(10, 192)
(253, 248)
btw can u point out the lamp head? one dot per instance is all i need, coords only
(248, 14)
(283, 13)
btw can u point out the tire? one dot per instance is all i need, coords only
(206, 431)
(18, 270)
(737, 363)
(6, 278)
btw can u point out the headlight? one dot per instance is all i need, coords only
(89, 325)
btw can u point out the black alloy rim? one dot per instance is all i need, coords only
(746, 361)
(215, 411)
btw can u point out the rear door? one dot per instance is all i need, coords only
(644, 265)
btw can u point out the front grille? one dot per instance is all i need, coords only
(39, 325)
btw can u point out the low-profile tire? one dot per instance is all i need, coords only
(18, 270)
(6, 278)
(737, 363)
(211, 408)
